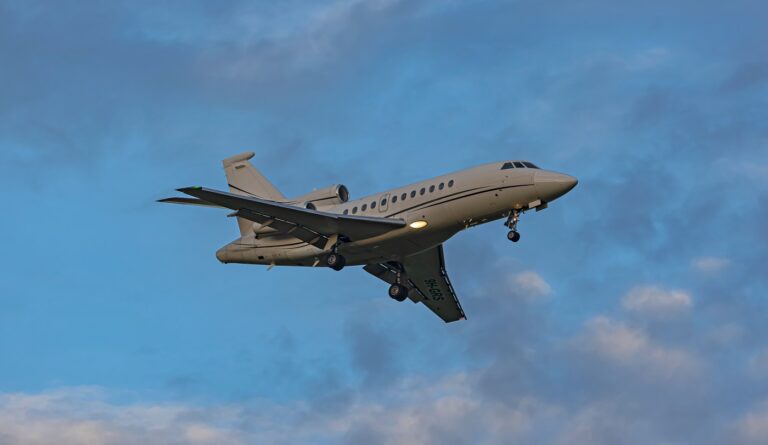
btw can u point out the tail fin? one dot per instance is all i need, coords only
(245, 180)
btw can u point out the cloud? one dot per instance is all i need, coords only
(442, 411)
(373, 353)
(752, 428)
(529, 284)
(83, 415)
(710, 264)
(656, 301)
(758, 364)
(630, 348)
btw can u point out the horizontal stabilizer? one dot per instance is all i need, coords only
(313, 222)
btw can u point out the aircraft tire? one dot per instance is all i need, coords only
(335, 261)
(398, 292)
(513, 236)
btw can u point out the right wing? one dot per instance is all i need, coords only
(425, 276)
(312, 226)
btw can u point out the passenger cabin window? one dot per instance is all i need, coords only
(450, 183)
(394, 199)
(364, 208)
(519, 164)
(354, 210)
(384, 201)
(507, 166)
(441, 186)
(346, 211)
(530, 165)
(413, 193)
(422, 191)
(431, 188)
(402, 197)
(373, 205)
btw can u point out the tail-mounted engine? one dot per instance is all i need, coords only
(335, 194)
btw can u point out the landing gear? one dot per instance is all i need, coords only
(398, 292)
(512, 220)
(335, 261)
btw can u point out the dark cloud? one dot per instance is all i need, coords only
(749, 75)
(373, 353)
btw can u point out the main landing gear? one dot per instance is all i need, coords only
(335, 261)
(512, 220)
(397, 291)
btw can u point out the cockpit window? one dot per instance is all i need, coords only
(507, 165)
(530, 165)
(519, 164)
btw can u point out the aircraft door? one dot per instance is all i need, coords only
(383, 202)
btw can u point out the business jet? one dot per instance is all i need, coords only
(396, 235)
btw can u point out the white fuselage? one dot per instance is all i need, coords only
(448, 204)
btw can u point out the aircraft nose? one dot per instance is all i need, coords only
(551, 185)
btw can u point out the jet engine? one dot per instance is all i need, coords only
(332, 195)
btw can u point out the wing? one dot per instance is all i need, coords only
(424, 274)
(189, 201)
(312, 226)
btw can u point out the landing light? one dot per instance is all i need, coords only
(418, 224)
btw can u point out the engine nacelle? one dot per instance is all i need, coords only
(332, 195)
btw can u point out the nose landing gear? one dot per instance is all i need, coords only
(512, 220)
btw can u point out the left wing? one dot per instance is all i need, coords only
(424, 274)
(312, 226)
(188, 201)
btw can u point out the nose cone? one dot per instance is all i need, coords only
(551, 185)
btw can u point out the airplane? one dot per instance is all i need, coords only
(396, 235)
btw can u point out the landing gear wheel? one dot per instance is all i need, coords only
(398, 292)
(335, 261)
(512, 220)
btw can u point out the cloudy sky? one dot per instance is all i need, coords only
(633, 311)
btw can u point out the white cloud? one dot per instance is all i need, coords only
(529, 284)
(710, 264)
(82, 415)
(752, 428)
(656, 301)
(314, 36)
(416, 412)
(622, 345)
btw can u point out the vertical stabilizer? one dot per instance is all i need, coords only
(244, 179)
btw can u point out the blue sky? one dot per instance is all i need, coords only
(633, 310)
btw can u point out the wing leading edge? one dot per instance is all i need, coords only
(427, 280)
(312, 226)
